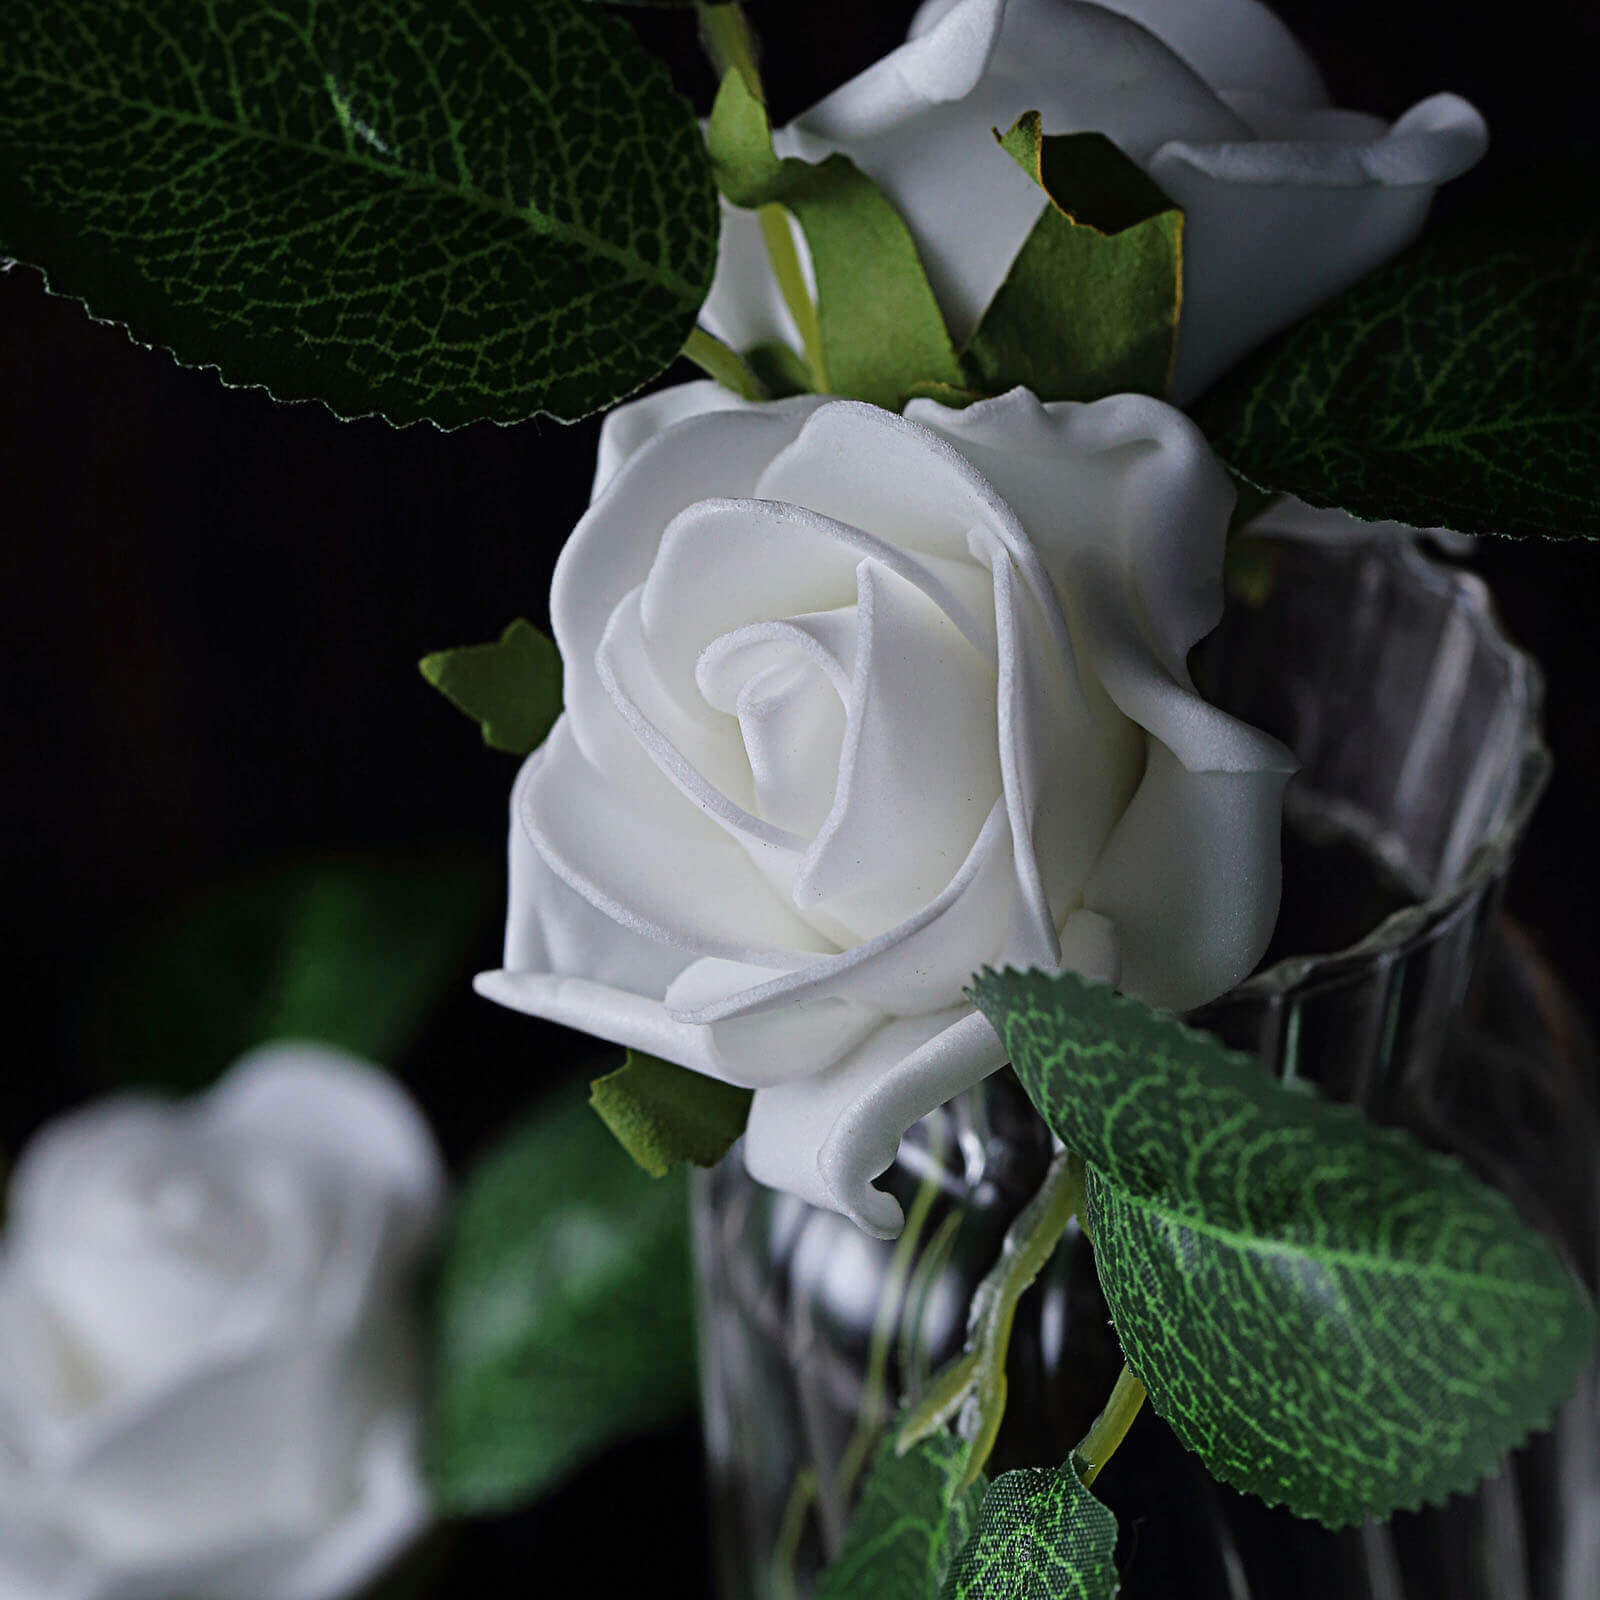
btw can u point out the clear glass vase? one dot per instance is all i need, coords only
(1390, 983)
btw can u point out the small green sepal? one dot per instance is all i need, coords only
(665, 1115)
(1090, 305)
(510, 687)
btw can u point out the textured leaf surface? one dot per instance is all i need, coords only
(1040, 1535)
(1331, 1316)
(510, 687)
(565, 1318)
(881, 329)
(1090, 305)
(664, 1115)
(1459, 387)
(482, 209)
(912, 1520)
(354, 950)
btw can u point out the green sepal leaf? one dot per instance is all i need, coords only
(1458, 387)
(1332, 1317)
(664, 1115)
(782, 370)
(1040, 1535)
(912, 1519)
(564, 1316)
(353, 950)
(481, 210)
(881, 329)
(511, 687)
(1090, 305)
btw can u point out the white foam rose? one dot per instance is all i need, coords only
(1286, 199)
(209, 1383)
(857, 703)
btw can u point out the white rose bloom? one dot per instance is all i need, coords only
(857, 703)
(209, 1385)
(1286, 199)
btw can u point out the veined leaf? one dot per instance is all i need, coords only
(565, 1316)
(1090, 305)
(1459, 387)
(1040, 1535)
(664, 1115)
(477, 210)
(1331, 1316)
(881, 329)
(912, 1520)
(510, 687)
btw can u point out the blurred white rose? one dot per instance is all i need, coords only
(857, 703)
(1286, 200)
(209, 1385)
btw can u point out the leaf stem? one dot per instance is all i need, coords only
(723, 363)
(785, 258)
(890, 1309)
(1110, 1428)
(973, 1390)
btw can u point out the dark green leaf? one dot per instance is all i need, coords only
(511, 687)
(881, 329)
(781, 370)
(1459, 387)
(664, 1115)
(565, 1316)
(912, 1520)
(1331, 1316)
(354, 950)
(1090, 305)
(1040, 1535)
(482, 209)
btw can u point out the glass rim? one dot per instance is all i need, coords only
(1491, 857)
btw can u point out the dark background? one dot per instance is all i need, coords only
(214, 606)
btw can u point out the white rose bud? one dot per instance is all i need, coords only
(1286, 200)
(209, 1384)
(857, 703)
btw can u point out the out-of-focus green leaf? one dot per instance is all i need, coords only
(356, 950)
(564, 1315)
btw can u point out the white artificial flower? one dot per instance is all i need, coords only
(1286, 200)
(857, 703)
(209, 1384)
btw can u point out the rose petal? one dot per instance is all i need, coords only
(923, 963)
(389, 1512)
(631, 852)
(312, 1102)
(1232, 44)
(1274, 228)
(825, 1138)
(908, 807)
(612, 547)
(630, 426)
(726, 564)
(1190, 879)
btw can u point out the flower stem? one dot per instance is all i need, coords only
(728, 40)
(1110, 1427)
(723, 363)
(973, 1391)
